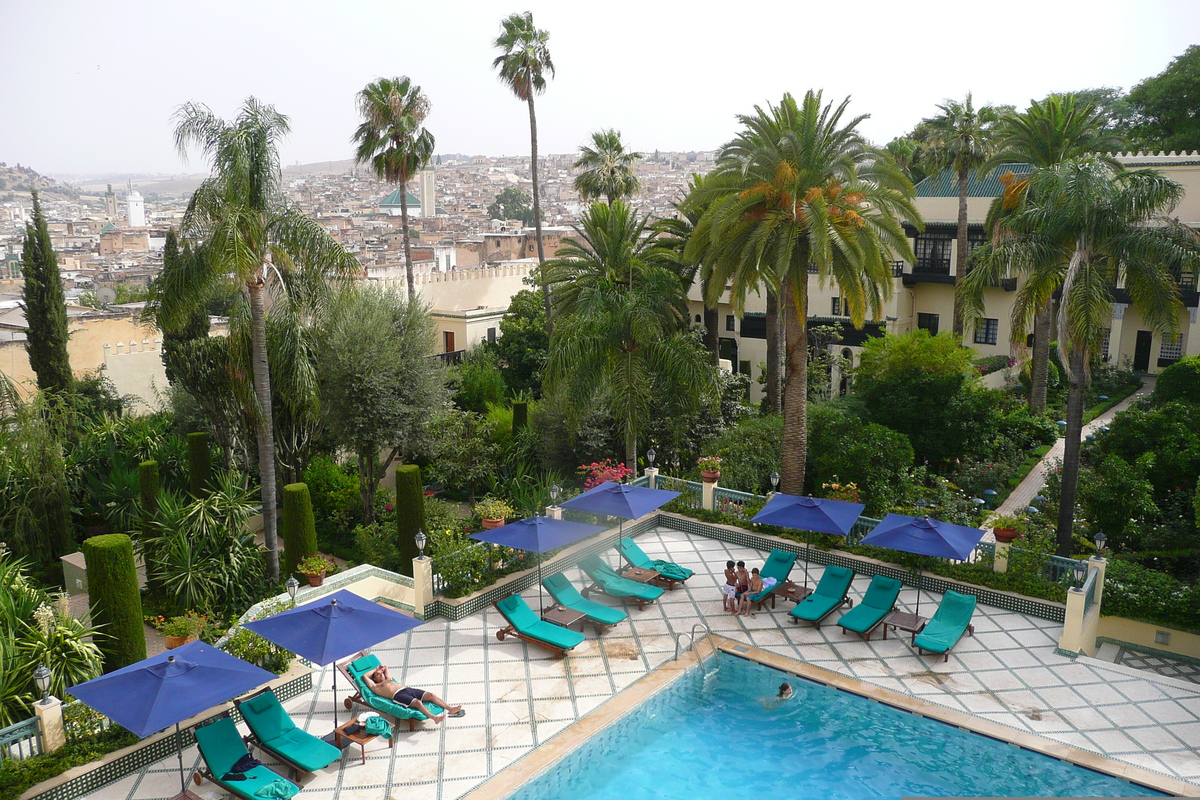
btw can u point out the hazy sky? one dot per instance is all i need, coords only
(91, 87)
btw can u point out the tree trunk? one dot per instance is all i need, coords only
(631, 449)
(771, 392)
(408, 272)
(1039, 367)
(366, 485)
(1070, 465)
(266, 425)
(537, 212)
(960, 269)
(795, 388)
(712, 337)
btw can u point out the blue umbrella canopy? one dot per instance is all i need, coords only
(332, 627)
(810, 514)
(924, 537)
(170, 687)
(621, 500)
(538, 534)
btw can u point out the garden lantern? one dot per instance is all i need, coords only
(293, 586)
(1100, 540)
(650, 456)
(421, 539)
(554, 491)
(1081, 570)
(774, 481)
(41, 677)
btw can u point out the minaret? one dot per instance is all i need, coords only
(110, 204)
(427, 192)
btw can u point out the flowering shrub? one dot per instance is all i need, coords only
(712, 463)
(841, 491)
(599, 472)
(989, 364)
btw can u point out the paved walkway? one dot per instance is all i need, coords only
(517, 698)
(1022, 496)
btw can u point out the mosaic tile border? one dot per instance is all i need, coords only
(1150, 651)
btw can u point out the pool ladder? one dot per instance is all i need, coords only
(691, 639)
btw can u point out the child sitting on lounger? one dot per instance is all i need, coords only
(756, 586)
(743, 586)
(381, 683)
(729, 590)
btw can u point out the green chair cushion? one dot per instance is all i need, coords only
(613, 584)
(220, 745)
(304, 750)
(567, 596)
(513, 608)
(815, 606)
(778, 565)
(878, 602)
(835, 582)
(638, 558)
(266, 717)
(359, 668)
(948, 623)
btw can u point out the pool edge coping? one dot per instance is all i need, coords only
(546, 755)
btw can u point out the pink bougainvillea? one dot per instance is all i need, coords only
(598, 472)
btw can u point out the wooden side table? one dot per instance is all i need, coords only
(902, 620)
(566, 617)
(640, 575)
(361, 738)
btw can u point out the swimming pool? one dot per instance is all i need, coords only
(719, 733)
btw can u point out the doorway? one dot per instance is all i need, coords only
(1141, 351)
(448, 342)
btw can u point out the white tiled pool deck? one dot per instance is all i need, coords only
(518, 697)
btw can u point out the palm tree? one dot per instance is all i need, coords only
(392, 140)
(1047, 133)
(1082, 230)
(608, 168)
(797, 188)
(252, 234)
(674, 233)
(523, 66)
(960, 140)
(622, 336)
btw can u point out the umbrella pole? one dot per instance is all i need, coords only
(807, 553)
(335, 703)
(179, 753)
(919, 587)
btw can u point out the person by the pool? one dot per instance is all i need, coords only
(381, 683)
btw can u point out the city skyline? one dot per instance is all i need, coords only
(93, 90)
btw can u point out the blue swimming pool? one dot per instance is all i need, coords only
(722, 735)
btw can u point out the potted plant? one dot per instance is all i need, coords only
(710, 468)
(181, 630)
(1005, 528)
(315, 567)
(493, 512)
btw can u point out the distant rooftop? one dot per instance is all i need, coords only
(945, 183)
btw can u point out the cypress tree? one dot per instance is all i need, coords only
(299, 527)
(116, 603)
(45, 308)
(199, 463)
(148, 484)
(520, 416)
(410, 512)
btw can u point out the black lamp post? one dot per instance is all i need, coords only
(292, 585)
(774, 476)
(41, 677)
(650, 457)
(1100, 540)
(421, 540)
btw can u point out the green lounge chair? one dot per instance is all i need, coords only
(778, 566)
(669, 572)
(525, 625)
(607, 581)
(876, 604)
(567, 596)
(829, 596)
(221, 747)
(273, 731)
(356, 669)
(949, 622)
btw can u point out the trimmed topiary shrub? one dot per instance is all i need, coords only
(520, 412)
(1180, 381)
(116, 603)
(299, 527)
(148, 485)
(410, 512)
(199, 463)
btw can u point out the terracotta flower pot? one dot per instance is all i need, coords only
(489, 524)
(178, 641)
(710, 475)
(1005, 535)
(315, 580)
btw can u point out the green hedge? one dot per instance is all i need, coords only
(299, 527)
(199, 463)
(410, 513)
(116, 602)
(17, 776)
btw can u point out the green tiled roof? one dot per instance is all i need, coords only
(108, 227)
(393, 199)
(945, 184)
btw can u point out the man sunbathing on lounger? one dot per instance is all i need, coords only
(381, 683)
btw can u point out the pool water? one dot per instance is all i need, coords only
(721, 734)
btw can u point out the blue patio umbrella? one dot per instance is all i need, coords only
(332, 627)
(815, 514)
(166, 689)
(621, 500)
(924, 537)
(538, 535)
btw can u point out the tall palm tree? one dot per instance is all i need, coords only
(251, 233)
(523, 67)
(607, 168)
(622, 335)
(960, 140)
(392, 139)
(799, 187)
(1082, 230)
(674, 233)
(1047, 133)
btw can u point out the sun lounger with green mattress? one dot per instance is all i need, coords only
(829, 596)
(778, 566)
(607, 580)
(668, 571)
(527, 626)
(878, 602)
(356, 669)
(951, 620)
(274, 731)
(221, 747)
(567, 596)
